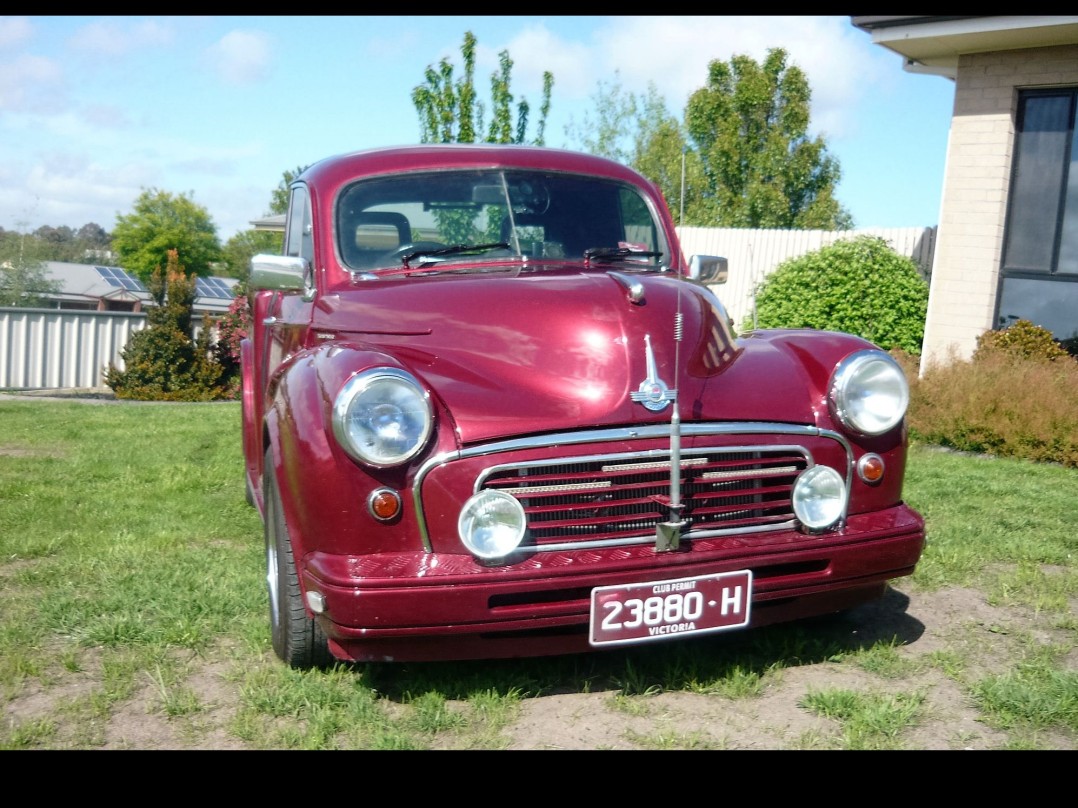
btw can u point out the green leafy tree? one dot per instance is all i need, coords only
(450, 112)
(26, 284)
(608, 126)
(662, 154)
(87, 245)
(24, 281)
(279, 198)
(238, 251)
(162, 362)
(859, 285)
(749, 126)
(740, 157)
(162, 222)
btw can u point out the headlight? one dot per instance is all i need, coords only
(491, 524)
(819, 497)
(869, 393)
(382, 416)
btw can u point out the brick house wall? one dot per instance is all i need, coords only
(973, 208)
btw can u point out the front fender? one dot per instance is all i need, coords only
(323, 490)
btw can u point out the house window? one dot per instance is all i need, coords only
(1039, 277)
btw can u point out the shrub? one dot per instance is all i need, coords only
(998, 403)
(162, 362)
(1023, 339)
(860, 286)
(232, 327)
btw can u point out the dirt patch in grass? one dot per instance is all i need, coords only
(926, 630)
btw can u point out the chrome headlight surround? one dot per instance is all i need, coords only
(382, 417)
(491, 524)
(819, 497)
(869, 393)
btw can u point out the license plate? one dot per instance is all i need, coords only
(660, 610)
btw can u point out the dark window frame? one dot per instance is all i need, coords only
(1010, 268)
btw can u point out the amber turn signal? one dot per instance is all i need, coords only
(870, 468)
(384, 504)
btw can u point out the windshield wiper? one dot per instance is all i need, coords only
(611, 254)
(455, 249)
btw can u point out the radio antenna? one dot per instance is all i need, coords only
(669, 533)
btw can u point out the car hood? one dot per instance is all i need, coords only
(525, 353)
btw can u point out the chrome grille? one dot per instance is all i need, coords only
(611, 498)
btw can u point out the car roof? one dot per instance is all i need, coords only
(339, 168)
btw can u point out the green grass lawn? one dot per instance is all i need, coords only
(128, 554)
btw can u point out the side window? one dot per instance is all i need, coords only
(299, 240)
(637, 221)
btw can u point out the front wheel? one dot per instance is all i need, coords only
(297, 637)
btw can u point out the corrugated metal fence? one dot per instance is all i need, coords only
(51, 349)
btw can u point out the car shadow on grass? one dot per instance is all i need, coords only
(716, 662)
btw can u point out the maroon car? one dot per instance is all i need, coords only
(490, 410)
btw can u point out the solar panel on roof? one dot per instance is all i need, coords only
(213, 287)
(114, 276)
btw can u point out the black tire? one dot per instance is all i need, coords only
(297, 638)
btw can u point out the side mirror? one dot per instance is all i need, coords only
(708, 269)
(285, 273)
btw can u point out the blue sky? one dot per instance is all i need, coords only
(93, 110)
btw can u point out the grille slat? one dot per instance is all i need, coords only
(605, 500)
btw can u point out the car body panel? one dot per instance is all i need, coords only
(569, 383)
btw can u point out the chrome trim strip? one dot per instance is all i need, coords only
(622, 434)
(650, 539)
(648, 453)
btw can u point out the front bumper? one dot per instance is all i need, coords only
(440, 606)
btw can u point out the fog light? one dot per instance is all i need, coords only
(819, 497)
(870, 468)
(384, 504)
(491, 524)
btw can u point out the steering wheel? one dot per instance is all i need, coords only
(414, 246)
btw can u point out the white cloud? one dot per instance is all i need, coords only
(241, 57)
(673, 54)
(64, 188)
(118, 37)
(535, 50)
(105, 116)
(14, 30)
(30, 84)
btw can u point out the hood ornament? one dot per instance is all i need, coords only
(653, 392)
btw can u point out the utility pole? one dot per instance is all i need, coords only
(681, 219)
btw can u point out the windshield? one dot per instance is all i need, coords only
(452, 216)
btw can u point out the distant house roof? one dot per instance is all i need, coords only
(85, 285)
(273, 223)
(932, 44)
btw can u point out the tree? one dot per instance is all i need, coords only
(238, 251)
(93, 235)
(662, 154)
(610, 133)
(742, 148)
(279, 198)
(25, 283)
(760, 168)
(162, 362)
(450, 113)
(160, 223)
(24, 280)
